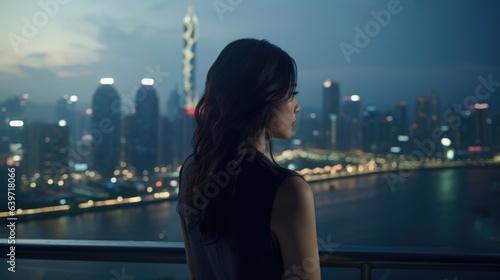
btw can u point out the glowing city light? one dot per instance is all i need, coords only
(355, 98)
(395, 150)
(16, 123)
(189, 111)
(450, 154)
(62, 123)
(403, 138)
(327, 83)
(147, 82)
(73, 98)
(107, 81)
(446, 142)
(480, 106)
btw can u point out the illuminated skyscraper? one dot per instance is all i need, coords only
(434, 110)
(371, 136)
(399, 132)
(105, 127)
(12, 115)
(353, 130)
(66, 111)
(421, 126)
(174, 105)
(474, 128)
(145, 128)
(190, 37)
(330, 114)
(46, 155)
(187, 121)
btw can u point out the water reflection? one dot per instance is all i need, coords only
(430, 208)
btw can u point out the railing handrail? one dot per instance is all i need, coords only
(330, 256)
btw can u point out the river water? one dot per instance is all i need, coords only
(430, 208)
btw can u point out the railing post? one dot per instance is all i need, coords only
(366, 272)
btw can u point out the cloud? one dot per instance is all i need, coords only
(60, 43)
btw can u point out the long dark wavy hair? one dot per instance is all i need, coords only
(248, 81)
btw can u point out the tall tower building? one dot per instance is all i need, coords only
(434, 110)
(399, 132)
(475, 131)
(145, 128)
(401, 118)
(421, 126)
(46, 158)
(105, 127)
(186, 122)
(330, 114)
(66, 111)
(371, 136)
(174, 105)
(190, 37)
(353, 122)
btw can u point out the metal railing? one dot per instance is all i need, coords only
(364, 258)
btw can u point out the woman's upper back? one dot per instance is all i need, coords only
(245, 248)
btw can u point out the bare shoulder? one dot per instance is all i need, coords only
(293, 222)
(294, 189)
(294, 199)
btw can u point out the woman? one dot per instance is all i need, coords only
(243, 216)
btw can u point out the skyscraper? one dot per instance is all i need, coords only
(434, 110)
(66, 110)
(421, 126)
(399, 132)
(46, 155)
(353, 131)
(190, 37)
(475, 126)
(187, 122)
(145, 128)
(330, 114)
(105, 127)
(371, 136)
(174, 105)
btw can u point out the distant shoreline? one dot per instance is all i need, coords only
(78, 211)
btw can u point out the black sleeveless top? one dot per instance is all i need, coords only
(246, 249)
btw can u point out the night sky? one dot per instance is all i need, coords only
(425, 46)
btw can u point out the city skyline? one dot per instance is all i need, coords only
(417, 52)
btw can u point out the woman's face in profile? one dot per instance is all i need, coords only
(284, 119)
